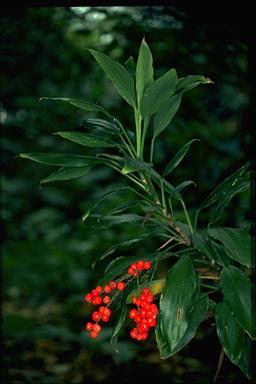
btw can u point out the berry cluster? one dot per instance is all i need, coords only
(144, 316)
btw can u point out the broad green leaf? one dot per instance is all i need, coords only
(86, 139)
(168, 187)
(165, 115)
(177, 158)
(189, 82)
(118, 325)
(196, 316)
(210, 248)
(157, 93)
(237, 293)
(85, 105)
(63, 159)
(229, 332)
(179, 295)
(120, 77)
(156, 286)
(131, 66)
(66, 174)
(237, 243)
(184, 184)
(133, 165)
(144, 70)
(238, 182)
(246, 362)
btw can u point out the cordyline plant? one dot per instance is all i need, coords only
(210, 268)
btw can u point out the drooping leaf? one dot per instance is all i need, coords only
(156, 286)
(144, 71)
(120, 77)
(165, 115)
(86, 139)
(237, 293)
(189, 82)
(103, 125)
(63, 159)
(237, 243)
(229, 332)
(118, 325)
(168, 187)
(158, 92)
(66, 174)
(133, 165)
(210, 248)
(184, 184)
(246, 361)
(85, 105)
(238, 182)
(179, 295)
(177, 158)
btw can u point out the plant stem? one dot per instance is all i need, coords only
(138, 132)
(187, 216)
(152, 150)
(144, 132)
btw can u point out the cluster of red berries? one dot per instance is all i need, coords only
(144, 316)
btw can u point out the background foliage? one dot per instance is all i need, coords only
(47, 252)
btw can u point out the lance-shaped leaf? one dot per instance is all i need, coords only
(210, 248)
(184, 184)
(133, 165)
(246, 361)
(118, 325)
(86, 139)
(196, 316)
(103, 125)
(177, 158)
(66, 174)
(63, 159)
(120, 77)
(237, 243)
(238, 182)
(189, 82)
(165, 115)
(168, 187)
(85, 105)
(237, 293)
(157, 93)
(229, 332)
(131, 66)
(144, 70)
(179, 295)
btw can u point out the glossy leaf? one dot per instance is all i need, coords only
(177, 158)
(144, 70)
(157, 93)
(238, 182)
(246, 362)
(120, 77)
(133, 165)
(66, 174)
(210, 248)
(103, 125)
(165, 115)
(62, 159)
(85, 105)
(179, 295)
(237, 243)
(118, 325)
(156, 286)
(131, 66)
(229, 332)
(237, 293)
(86, 139)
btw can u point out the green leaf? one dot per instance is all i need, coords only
(246, 363)
(156, 286)
(237, 243)
(63, 159)
(208, 247)
(120, 219)
(177, 158)
(168, 187)
(66, 174)
(103, 125)
(195, 317)
(85, 105)
(179, 295)
(86, 139)
(230, 334)
(144, 70)
(184, 184)
(118, 325)
(165, 115)
(237, 293)
(131, 66)
(238, 182)
(133, 165)
(189, 82)
(157, 93)
(120, 77)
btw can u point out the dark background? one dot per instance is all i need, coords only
(47, 252)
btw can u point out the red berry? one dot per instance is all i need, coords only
(144, 335)
(120, 286)
(140, 265)
(145, 290)
(106, 300)
(112, 284)
(133, 333)
(107, 289)
(105, 318)
(133, 266)
(99, 288)
(106, 312)
(96, 327)
(96, 316)
(93, 334)
(143, 327)
(88, 297)
(88, 326)
(130, 271)
(95, 293)
(98, 300)
(133, 313)
(147, 265)
(134, 300)
(151, 322)
(139, 336)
